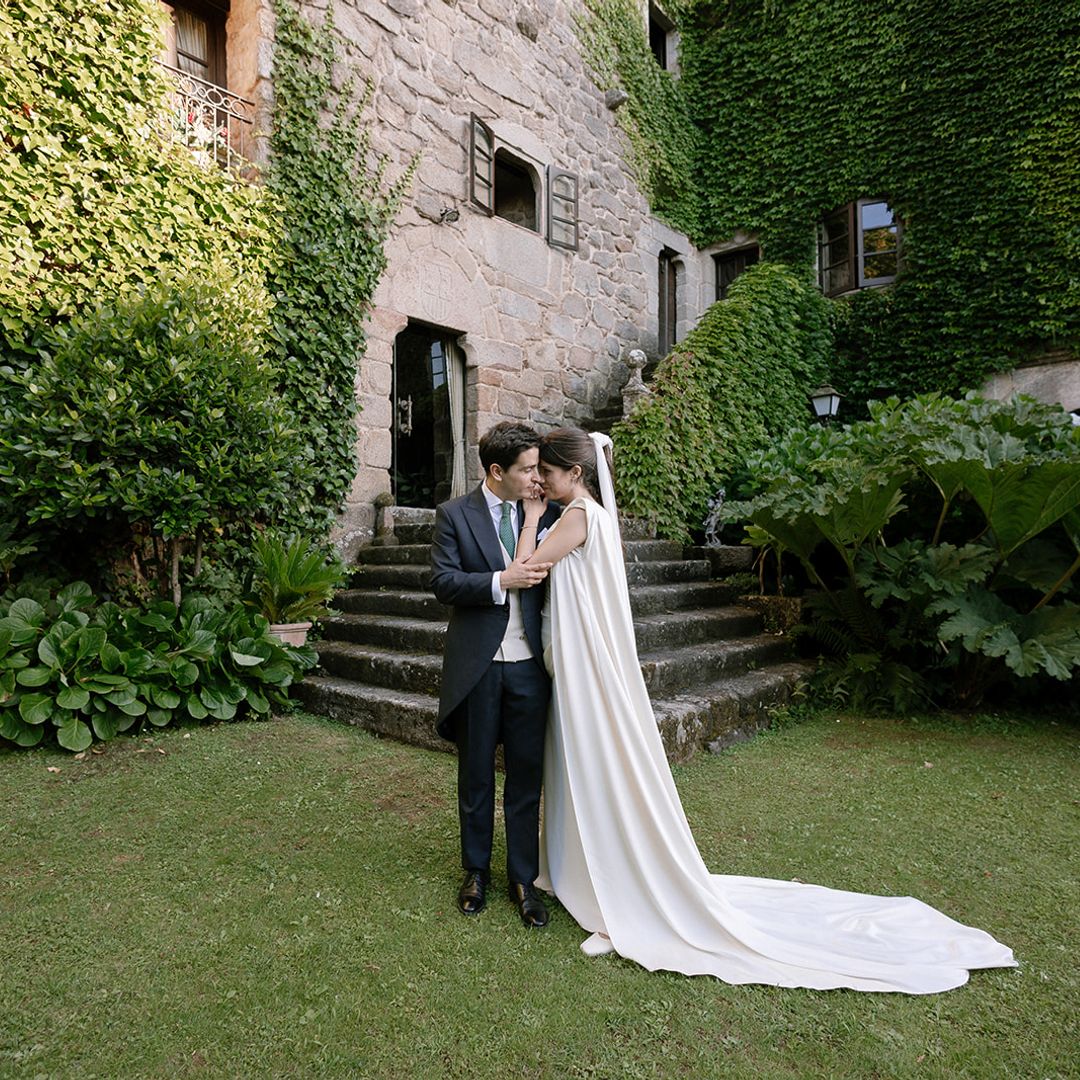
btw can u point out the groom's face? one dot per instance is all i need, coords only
(521, 480)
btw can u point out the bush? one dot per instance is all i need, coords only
(741, 377)
(155, 419)
(74, 668)
(944, 537)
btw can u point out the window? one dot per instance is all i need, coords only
(515, 193)
(858, 247)
(668, 289)
(503, 185)
(195, 41)
(661, 38)
(730, 264)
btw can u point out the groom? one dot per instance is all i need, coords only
(494, 685)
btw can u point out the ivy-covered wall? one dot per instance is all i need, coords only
(964, 114)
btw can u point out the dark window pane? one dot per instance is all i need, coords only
(879, 266)
(515, 193)
(730, 265)
(668, 302)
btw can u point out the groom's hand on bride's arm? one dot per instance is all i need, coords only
(523, 575)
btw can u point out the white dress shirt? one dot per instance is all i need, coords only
(498, 593)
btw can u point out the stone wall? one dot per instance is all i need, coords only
(543, 330)
(1055, 378)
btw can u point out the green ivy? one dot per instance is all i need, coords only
(661, 141)
(740, 377)
(964, 114)
(97, 197)
(336, 211)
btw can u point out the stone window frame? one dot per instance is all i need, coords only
(845, 223)
(560, 188)
(663, 38)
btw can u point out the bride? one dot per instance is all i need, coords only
(616, 848)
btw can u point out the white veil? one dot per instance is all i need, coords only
(603, 474)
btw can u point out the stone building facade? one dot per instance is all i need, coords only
(525, 264)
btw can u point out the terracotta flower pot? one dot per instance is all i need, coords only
(293, 633)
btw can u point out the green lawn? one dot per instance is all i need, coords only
(277, 900)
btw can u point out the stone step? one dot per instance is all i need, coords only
(389, 631)
(663, 630)
(679, 596)
(664, 572)
(374, 576)
(410, 603)
(414, 576)
(727, 711)
(677, 630)
(644, 599)
(665, 670)
(419, 554)
(724, 559)
(711, 716)
(399, 554)
(413, 672)
(414, 534)
(670, 671)
(397, 714)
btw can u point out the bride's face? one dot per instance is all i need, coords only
(559, 484)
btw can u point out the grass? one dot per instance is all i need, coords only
(276, 900)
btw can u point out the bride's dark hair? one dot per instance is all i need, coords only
(566, 447)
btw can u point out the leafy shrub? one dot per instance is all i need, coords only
(154, 417)
(944, 537)
(75, 668)
(293, 578)
(740, 377)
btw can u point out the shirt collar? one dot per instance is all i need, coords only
(493, 500)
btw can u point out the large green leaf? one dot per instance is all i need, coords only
(13, 727)
(74, 735)
(105, 725)
(73, 697)
(34, 676)
(36, 708)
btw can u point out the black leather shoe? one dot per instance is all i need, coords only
(472, 896)
(530, 906)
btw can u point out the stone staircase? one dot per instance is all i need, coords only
(711, 672)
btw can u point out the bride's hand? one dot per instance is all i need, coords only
(535, 506)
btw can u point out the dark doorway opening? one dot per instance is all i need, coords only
(429, 417)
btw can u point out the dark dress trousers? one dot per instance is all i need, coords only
(483, 701)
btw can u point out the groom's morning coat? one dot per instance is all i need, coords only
(465, 554)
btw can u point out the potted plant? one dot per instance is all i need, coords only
(290, 583)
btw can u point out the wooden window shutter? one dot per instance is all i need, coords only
(562, 209)
(481, 165)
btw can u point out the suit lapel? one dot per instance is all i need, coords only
(482, 527)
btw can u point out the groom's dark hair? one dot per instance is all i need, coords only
(504, 443)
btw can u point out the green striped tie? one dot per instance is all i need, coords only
(506, 531)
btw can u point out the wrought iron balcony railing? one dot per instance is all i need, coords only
(213, 122)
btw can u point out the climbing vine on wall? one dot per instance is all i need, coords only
(336, 211)
(661, 140)
(740, 377)
(962, 113)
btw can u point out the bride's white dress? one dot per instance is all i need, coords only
(617, 851)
